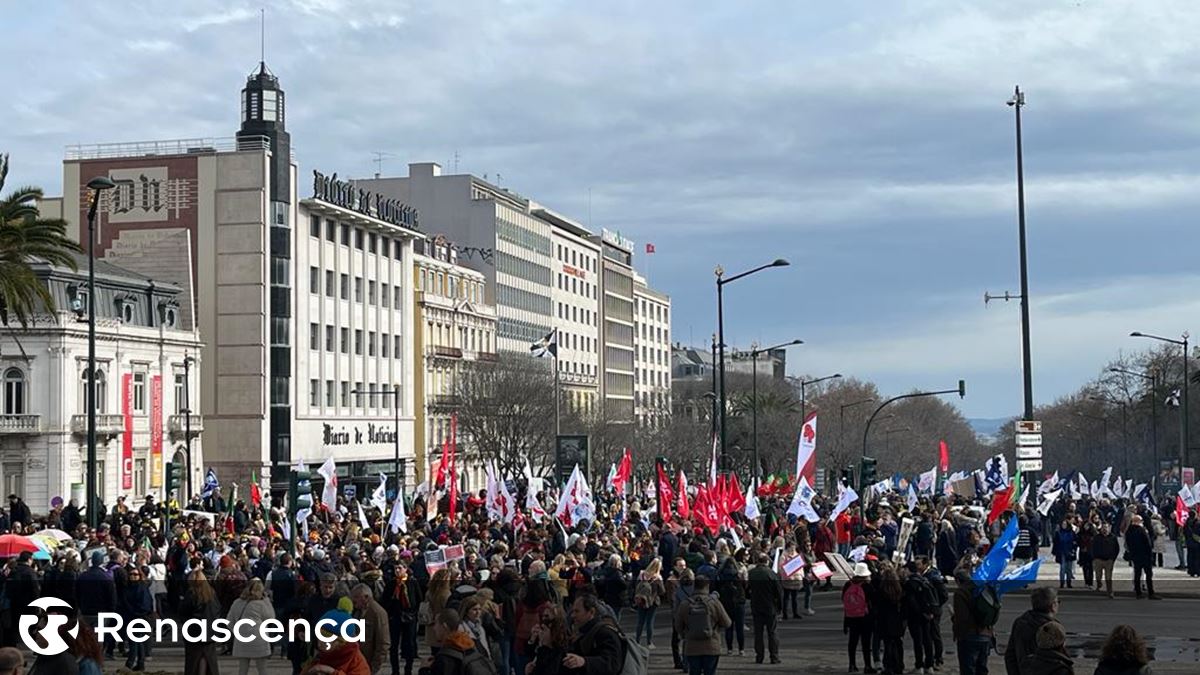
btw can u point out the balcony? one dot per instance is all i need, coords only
(20, 424)
(445, 352)
(444, 401)
(106, 425)
(487, 356)
(176, 424)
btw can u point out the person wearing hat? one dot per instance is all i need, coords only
(857, 621)
(1050, 657)
(1022, 639)
(18, 511)
(334, 655)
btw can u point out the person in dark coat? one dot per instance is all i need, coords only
(1141, 553)
(402, 597)
(888, 609)
(18, 511)
(199, 602)
(1124, 653)
(766, 598)
(1050, 657)
(1022, 640)
(947, 549)
(598, 649)
(71, 517)
(22, 586)
(136, 603)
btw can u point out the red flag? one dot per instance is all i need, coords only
(735, 496)
(943, 457)
(682, 508)
(439, 478)
(255, 491)
(665, 495)
(624, 471)
(719, 497)
(649, 248)
(1181, 511)
(452, 474)
(1000, 503)
(703, 509)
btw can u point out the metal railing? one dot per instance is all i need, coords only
(105, 424)
(177, 423)
(20, 424)
(180, 146)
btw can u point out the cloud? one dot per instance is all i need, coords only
(150, 45)
(232, 15)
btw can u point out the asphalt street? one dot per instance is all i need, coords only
(815, 644)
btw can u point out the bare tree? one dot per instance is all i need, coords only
(507, 408)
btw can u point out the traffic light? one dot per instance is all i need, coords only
(300, 491)
(848, 476)
(174, 479)
(867, 471)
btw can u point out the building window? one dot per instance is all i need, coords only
(358, 395)
(139, 393)
(398, 250)
(331, 231)
(358, 341)
(358, 239)
(345, 340)
(345, 286)
(314, 393)
(372, 242)
(371, 397)
(345, 386)
(314, 337)
(314, 280)
(383, 295)
(181, 402)
(279, 389)
(384, 341)
(345, 235)
(330, 394)
(397, 298)
(329, 283)
(358, 289)
(314, 226)
(101, 391)
(371, 343)
(370, 292)
(280, 331)
(330, 346)
(396, 346)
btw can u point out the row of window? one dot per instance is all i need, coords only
(384, 298)
(516, 329)
(450, 285)
(650, 310)
(618, 283)
(469, 338)
(578, 368)
(657, 357)
(16, 395)
(520, 236)
(574, 259)
(363, 240)
(331, 344)
(569, 282)
(521, 299)
(653, 378)
(657, 334)
(523, 269)
(576, 341)
(576, 314)
(338, 394)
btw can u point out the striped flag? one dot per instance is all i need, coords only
(547, 346)
(806, 451)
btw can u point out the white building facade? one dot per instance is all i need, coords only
(141, 380)
(652, 347)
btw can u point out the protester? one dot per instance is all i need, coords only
(974, 635)
(253, 607)
(857, 621)
(1050, 655)
(1140, 550)
(550, 639)
(766, 593)
(1124, 653)
(377, 633)
(1105, 549)
(701, 622)
(1065, 549)
(200, 602)
(136, 603)
(597, 647)
(647, 594)
(336, 656)
(1022, 640)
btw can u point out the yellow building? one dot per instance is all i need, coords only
(453, 325)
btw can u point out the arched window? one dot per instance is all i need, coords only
(14, 392)
(101, 392)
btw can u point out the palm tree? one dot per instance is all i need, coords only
(25, 237)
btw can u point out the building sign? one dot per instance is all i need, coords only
(344, 194)
(127, 437)
(156, 431)
(574, 271)
(145, 195)
(615, 239)
(373, 435)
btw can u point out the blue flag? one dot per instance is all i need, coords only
(211, 485)
(1019, 578)
(997, 558)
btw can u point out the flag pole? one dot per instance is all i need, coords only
(557, 423)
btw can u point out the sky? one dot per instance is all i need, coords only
(868, 143)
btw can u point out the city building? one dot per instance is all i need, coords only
(692, 375)
(453, 326)
(653, 356)
(289, 294)
(616, 320)
(576, 311)
(144, 366)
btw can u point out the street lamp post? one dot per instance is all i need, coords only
(721, 281)
(961, 391)
(1183, 393)
(394, 392)
(1153, 377)
(1124, 427)
(96, 185)
(1017, 102)
(187, 425)
(804, 400)
(754, 395)
(1104, 439)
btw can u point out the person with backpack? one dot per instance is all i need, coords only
(731, 588)
(700, 621)
(973, 618)
(926, 569)
(647, 595)
(920, 604)
(857, 622)
(1022, 639)
(766, 593)
(599, 648)
(458, 654)
(684, 585)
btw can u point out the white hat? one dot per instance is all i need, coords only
(861, 570)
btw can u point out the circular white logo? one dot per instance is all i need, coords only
(40, 630)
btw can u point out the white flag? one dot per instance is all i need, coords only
(399, 520)
(848, 497)
(912, 497)
(806, 449)
(329, 493)
(802, 502)
(926, 481)
(1048, 501)
(712, 465)
(575, 504)
(1105, 480)
(1024, 495)
(1188, 497)
(379, 496)
(362, 517)
(751, 510)
(1048, 484)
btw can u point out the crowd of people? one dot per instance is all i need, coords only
(481, 595)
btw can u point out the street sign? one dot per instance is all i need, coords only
(1029, 452)
(1028, 439)
(1028, 427)
(1024, 465)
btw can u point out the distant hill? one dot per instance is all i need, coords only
(987, 427)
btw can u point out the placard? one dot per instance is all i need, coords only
(843, 566)
(906, 530)
(821, 571)
(455, 552)
(792, 565)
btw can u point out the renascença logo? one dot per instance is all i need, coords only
(46, 641)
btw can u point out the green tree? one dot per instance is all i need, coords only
(26, 237)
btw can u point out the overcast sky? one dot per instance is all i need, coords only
(867, 142)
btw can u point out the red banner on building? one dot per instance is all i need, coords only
(156, 431)
(127, 437)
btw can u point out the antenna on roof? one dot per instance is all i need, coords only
(380, 155)
(262, 35)
(456, 161)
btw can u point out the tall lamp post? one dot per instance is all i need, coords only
(187, 425)
(804, 400)
(1124, 426)
(721, 281)
(96, 185)
(1152, 376)
(1104, 428)
(754, 395)
(1183, 394)
(394, 392)
(961, 391)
